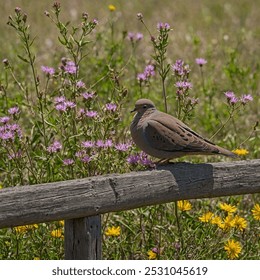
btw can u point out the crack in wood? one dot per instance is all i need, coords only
(113, 184)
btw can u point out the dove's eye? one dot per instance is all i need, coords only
(145, 106)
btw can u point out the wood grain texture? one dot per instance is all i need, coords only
(102, 194)
(83, 238)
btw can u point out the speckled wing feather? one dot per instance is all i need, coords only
(170, 134)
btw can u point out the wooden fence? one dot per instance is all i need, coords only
(81, 202)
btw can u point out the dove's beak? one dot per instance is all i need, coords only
(133, 110)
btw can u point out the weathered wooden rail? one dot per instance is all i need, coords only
(81, 202)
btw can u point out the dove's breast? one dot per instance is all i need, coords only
(137, 128)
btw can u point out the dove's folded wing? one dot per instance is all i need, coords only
(174, 136)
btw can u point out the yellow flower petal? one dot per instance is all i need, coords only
(216, 220)
(205, 218)
(228, 223)
(111, 8)
(240, 152)
(227, 207)
(113, 231)
(57, 233)
(184, 205)
(233, 248)
(240, 222)
(151, 255)
(256, 212)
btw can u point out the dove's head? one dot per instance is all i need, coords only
(142, 105)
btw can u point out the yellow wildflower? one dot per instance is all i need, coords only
(240, 152)
(216, 220)
(240, 222)
(233, 248)
(227, 207)
(111, 8)
(1, 186)
(184, 205)
(36, 258)
(61, 223)
(256, 212)
(113, 231)
(57, 233)
(151, 255)
(205, 218)
(229, 222)
(22, 229)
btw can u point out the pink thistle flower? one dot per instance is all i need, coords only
(130, 36)
(87, 144)
(149, 70)
(141, 77)
(183, 87)
(201, 61)
(80, 84)
(163, 26)
(70, 67)
(139, 36)
(14, 111)
(61, 104)
(108, 143)
(88, 95)
(95, 21)
(183, 84)
(69, 104)
(4, 119)
(231, 97)
(229, 94)
(135, 36)
(155, 250)
(104, 144)
(68, 161)
(10, 131)
(111, 107)
(246, 98)
(100, 144)
(80, 153)
(56, 146)
(91, 114)
(49, 71)
(86, 159)
(193, 101)
(233, 100)
(59, 99)
(180, 69)
(7, 135)
(133, 159)
(144, 160)
(123, 147)
(61, 107)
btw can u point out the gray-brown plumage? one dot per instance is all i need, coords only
(162, 136)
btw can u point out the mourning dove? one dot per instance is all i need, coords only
(162, 136)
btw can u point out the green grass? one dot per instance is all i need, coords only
(225, 34)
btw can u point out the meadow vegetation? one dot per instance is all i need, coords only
(70, 75)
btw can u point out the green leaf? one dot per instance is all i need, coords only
(23, 59)
(63, 42)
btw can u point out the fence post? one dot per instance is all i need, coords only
(82, 238)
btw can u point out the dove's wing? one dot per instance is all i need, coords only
(167, 133)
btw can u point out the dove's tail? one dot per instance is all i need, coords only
(225, 152)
